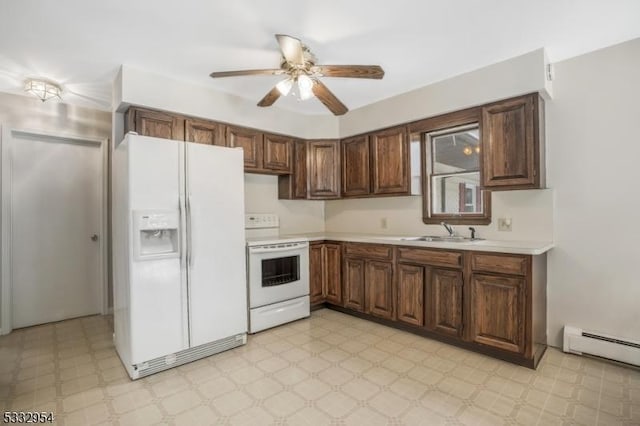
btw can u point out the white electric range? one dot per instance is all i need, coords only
(277, 274)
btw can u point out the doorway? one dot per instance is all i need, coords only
(53, 228)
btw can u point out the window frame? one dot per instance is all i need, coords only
(441, 124)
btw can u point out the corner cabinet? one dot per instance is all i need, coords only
(512, 144)
(316, 172)
(325, 273)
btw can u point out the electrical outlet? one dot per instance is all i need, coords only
(383, 223)
(504, 224)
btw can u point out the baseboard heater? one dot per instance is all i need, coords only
(579, 341)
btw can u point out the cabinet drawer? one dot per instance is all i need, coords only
(430, 257)
(369, 251)
(502, 264)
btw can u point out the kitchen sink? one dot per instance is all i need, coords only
(441, 238)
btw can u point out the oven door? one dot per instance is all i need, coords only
(277, 273)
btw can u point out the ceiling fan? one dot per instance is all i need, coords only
(303, 75)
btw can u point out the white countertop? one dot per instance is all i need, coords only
(515, 247)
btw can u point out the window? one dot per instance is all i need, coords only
(452, 176)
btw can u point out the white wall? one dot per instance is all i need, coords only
(261, 196)
(516, 76)
(531, 213)
(25, 112)
(593, 131)
(137, 87)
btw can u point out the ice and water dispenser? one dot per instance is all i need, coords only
(156, 234)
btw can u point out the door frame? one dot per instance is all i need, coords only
(6, 277)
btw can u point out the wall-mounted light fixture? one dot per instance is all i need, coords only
(42, 89)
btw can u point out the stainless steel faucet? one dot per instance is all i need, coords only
(448, 227)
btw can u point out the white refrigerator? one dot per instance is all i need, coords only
(180, 290)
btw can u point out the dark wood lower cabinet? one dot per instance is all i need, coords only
(379, 288)
(445, 304)
(333, 284)
(498, 311)
(354, 284)
(325, 273)
(410, 285)
(493, 303)
(316, 274)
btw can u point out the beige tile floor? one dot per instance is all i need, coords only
(330, 369)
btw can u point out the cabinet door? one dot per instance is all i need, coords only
(390, 161)
(410, 284)
(324, 169)
(251, 143)
(379, 288)
(445, 304)
(278, 153)
(332, 268)
(156, 124)
(294, 186)
(498, 311)
(510, 144)
(354, 284)
(316, 275)
(355, 166)
(205, 132)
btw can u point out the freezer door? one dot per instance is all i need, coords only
(158, 294)
(215, 244)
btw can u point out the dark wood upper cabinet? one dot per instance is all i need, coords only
(356, 173)
(250, 141)
(278, 153)
(499, 311)
(324, 169)
(205, 132)
(512, 147)
(294, 186)
(410, 288)
(390, 161)
(445, 301)
(155, 123)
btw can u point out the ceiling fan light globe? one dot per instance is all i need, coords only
(284, 87)
(305, 87)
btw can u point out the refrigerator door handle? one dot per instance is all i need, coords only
(189, 231)
(180, 222)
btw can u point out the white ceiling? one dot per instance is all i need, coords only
(81, 43)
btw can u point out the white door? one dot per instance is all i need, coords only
(56, 198)
(216, 245)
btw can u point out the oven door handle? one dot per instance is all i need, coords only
(257, 250)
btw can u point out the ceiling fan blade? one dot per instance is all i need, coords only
(269, 98)
(351, 71)
(245, 72)
(329, 100)
(291, 49)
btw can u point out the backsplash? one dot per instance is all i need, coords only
(530, 211)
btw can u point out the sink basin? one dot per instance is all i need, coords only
(441, 238)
